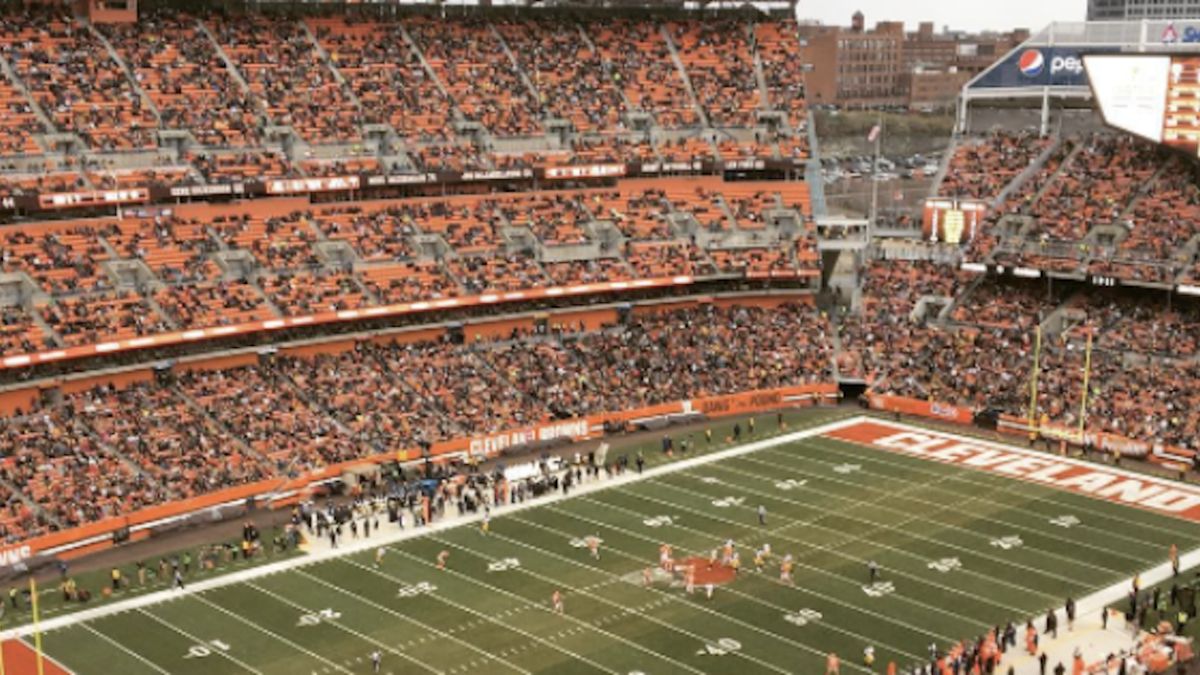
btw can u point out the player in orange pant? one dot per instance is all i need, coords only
(832, 665)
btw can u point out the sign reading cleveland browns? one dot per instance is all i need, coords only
(1115, 485)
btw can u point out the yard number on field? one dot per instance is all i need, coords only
(710, 480)
(790, 484)
(945, 564)
(658, 521)
(206, 649)
(422, 588)
(502, 565)
(726, 502)
(1065, 521)
(721, 647)
(879, 589)
(847, 468)
(317, 617)
(803, 617)
(1011, 541)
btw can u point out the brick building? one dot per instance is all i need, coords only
(885, 67)
(855, 67)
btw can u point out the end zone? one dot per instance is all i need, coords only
(1160, 495)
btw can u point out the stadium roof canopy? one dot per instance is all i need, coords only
(1049, 64)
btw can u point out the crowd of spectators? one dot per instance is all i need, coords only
(1143, 368)
(233, 83)
(180, 70)
(233, 267)
(70, 74)
(981, 168)
(108, 450)
(289, 79)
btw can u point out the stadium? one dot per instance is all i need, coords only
(401, 338)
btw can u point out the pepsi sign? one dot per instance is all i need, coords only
(1038, 67)
(1031, 62)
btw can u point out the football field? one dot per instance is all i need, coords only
(959, 550)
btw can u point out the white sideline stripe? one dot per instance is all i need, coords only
(413, 533)
(121, 647)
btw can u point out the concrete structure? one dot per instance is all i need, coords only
(1134, 10)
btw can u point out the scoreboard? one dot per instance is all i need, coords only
(1154, 96)
(952, 221)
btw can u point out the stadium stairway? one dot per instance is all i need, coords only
(512, 58)
(323, 55)
(230, 67)
(82, 429)
(429, 71)
(147, 102)
(760, 76)
(1032, 170)
(683, 74)
(630, 115)
(20, 87)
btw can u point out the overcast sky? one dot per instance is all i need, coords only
(972, 15)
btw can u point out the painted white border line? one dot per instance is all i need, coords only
(1026, 452)
(1091, 604)
(414, 532)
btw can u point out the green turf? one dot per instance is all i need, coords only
(832, 505)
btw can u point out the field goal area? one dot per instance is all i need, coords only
(962, 534)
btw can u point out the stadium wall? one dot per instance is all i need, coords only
(1180, 459)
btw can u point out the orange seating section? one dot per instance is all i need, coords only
(71, 75)
(180, 70)
(719, 62)
(289, 79)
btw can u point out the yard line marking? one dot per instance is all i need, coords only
(651, 619)
(854, 503)
(261, 629)
(960, 474)
(895, 528)
(668, 597)
(892, 528)
(415, 622)
(947, 478)
(801, 432)
(221, 652)
(153, 666)
(513, 628)
(799, 563)
(813, 593)
(819, 548)
(344, 628)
